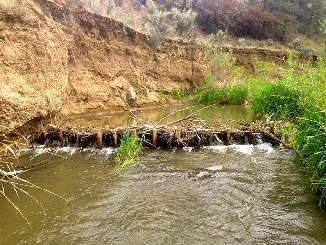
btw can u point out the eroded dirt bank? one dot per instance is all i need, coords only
(54, 58)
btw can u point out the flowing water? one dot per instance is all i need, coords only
(213, 195)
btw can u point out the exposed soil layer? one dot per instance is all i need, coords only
(55, 59)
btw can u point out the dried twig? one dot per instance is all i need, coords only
(172, 113)
(184, 118)
(137, 118)
(11, 178)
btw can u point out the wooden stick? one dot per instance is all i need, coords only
(154, 137)
(137, 118)
(173, 112)
(205, 139)
(83, 142)
(44, 135)
(61, 138)
(99, 140)
(115, 139)
(228, 136)
(134, 132)
(250, 136)
(183, 119)
(77, 141)
(272, 127)
(272, 136)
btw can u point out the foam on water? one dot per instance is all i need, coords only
(39, 150)
(265, 147)
(188, 149)
(245, 149)
(215, 168)
(104, 151)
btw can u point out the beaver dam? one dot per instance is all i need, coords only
(161, 136)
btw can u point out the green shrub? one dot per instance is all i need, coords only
(277, 99)
(128, 151)
(184, 20)
(177, 94)
(222, 66)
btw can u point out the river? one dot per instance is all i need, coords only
(212, 195)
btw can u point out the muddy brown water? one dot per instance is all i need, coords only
(213, 195)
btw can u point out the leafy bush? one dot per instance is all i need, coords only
(222, 66)
(277, 99)
(239, 19)
(177, 94)
(302, 16)
(217, 37)
(298, 45)
(128, 151)
(221, 84)
(151, 6)
(102, 7)
(184, 20)
(156, 18)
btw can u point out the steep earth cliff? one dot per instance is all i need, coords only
(57, 59)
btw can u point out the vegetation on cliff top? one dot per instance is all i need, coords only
(226, 21)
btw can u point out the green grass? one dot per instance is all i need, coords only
(310, 143)
(224, 94)
(277, 99)
(220, 94)
(128, 151)
(299, 97)
(310, 137)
